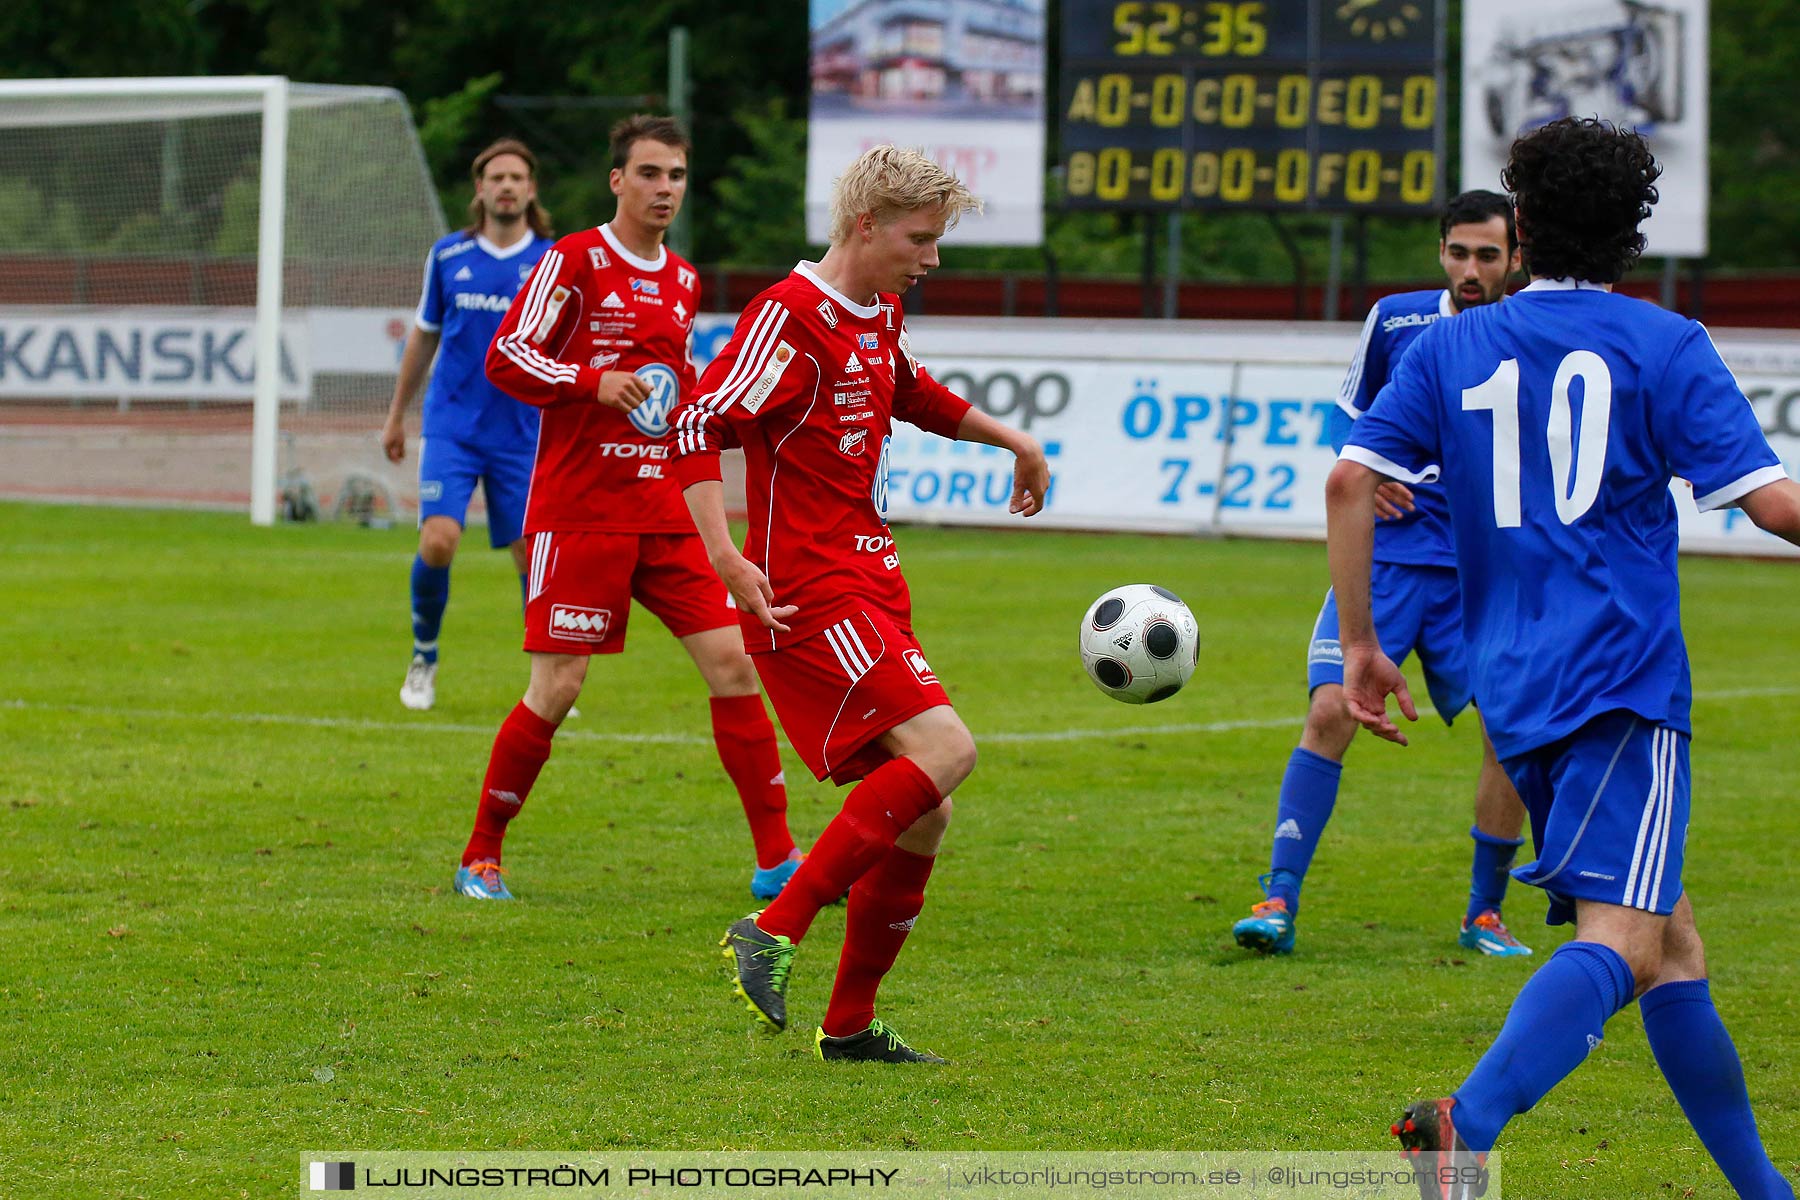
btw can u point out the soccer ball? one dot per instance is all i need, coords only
(1139, 643)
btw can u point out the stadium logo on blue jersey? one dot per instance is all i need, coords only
(651, 418)
(648, 287)
(1406, 320)
(867, 341)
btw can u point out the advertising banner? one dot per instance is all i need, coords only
(147, 354)
(1201, 427)
(962, 80)
(1640, 63)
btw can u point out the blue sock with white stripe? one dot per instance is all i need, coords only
(1702, 1066)
(1552, 1026)
(1309, 789)
(1488, 874)
(430, 593)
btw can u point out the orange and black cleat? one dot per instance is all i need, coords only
(1443, 1165)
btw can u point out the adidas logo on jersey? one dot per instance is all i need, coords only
(853, 365)
(612, 301)
(462, 275)
(1289, 828)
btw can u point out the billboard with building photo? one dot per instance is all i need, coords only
(962, 80)
(1641, 65)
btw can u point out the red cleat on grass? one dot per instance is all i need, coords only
(1443, 1165)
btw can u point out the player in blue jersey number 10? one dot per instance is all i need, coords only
(1556, 422)
(472, 430)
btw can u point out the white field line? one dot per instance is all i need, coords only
(426, 725)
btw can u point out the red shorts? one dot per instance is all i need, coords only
(840, 689)
(582, 585)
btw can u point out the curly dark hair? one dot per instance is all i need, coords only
(1582, 187)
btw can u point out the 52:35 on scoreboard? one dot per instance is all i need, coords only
(1314, 105)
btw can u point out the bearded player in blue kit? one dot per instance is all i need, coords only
(472, 430)
(1556, 421)
(1419, 609)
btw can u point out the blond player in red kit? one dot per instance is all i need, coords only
(599, 340)
(816, 372)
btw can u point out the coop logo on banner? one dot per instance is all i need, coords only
(151, 356)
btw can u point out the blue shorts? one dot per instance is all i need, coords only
(448, 470)
(1417, 610)
(1609, 815)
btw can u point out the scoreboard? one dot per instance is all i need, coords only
(1282, 105)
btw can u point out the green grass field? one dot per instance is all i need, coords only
(230, 934)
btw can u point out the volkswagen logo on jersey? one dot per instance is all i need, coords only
(652, 416)
(878, 493)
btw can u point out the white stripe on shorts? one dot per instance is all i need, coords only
(1650, 826)
(540, 555)
(849, 650)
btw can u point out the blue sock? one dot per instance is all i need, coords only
(1702, 1067)
(1309, 790)
(1554, 1023)
(430, 593)
(1488, 876)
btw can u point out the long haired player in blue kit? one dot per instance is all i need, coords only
(1556, 422)
(472, 430)
(1418, 608)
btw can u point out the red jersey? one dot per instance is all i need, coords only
(809, 385)
(590, 307)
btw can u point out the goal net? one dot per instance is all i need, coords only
(146, 282)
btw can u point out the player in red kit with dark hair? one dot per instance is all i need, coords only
(599, 340)
(814, 375)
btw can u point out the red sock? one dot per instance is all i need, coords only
(746, 741)
(878, 810)
(520, 750)
(883, 906)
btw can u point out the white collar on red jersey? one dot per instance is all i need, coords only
(867, 312)
(505, 252)
(643, 264)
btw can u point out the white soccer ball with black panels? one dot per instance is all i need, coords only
(1139, 643)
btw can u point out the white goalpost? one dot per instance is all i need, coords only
(204, 286)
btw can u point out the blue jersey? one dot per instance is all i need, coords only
(1556, 421)
(1420, 538)
(469, 285)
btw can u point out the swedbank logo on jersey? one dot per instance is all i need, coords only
(651, 418)
(573, 623)
(771, 375)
